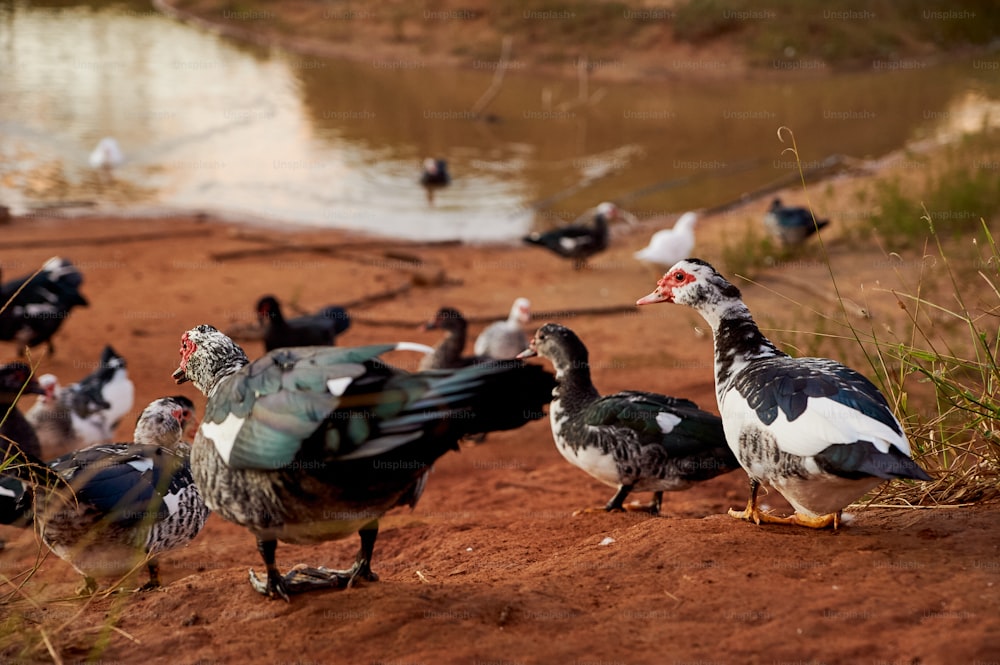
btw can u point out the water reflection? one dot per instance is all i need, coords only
(216, 125)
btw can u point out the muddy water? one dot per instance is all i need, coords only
(209, 124)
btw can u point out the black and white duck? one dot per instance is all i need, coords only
(633, 440)
(579, 241)
(817, 431)
(119, 504)
(84, 413)
(37, 305)
(18, 443)
(306, 445)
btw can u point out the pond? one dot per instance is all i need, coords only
(213, 125)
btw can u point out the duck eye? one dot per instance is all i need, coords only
(678, 276)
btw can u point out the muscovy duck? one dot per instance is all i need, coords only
(319, 329)
(505, 339)
(119, 504)
(633, 440)
(18, 441)
(579, 241)
(447, 353)
(669, 246)
(790, 226)
(313, 444)
(34, 314)
(818, 432)
(107, 155)
(435, 173)
(84, 413)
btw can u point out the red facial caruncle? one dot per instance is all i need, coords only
(187, 348)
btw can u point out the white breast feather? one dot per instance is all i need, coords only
(223, 435)
(589, 459)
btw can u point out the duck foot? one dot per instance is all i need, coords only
(602, 509)
(302, 578)
(752, 513)
(758, 516)
(653, 507)
(617, 503)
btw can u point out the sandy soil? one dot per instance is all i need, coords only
(491, 566)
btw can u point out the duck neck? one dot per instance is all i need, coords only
(575, 389)
(450, 348)
(738, 342)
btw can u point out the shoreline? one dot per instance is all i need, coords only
(717, 60)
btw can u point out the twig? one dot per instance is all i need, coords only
(48, 645)
(498, 75)
(917, 507)
(377, 297)
(122, 632)
(79, 242)
(489, 318)
(323, 248)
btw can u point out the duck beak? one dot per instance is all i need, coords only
(180, 376)
(527, 353)
(654, 297)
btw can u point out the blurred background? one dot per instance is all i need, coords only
(591, 101)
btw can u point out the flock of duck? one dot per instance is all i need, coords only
(313, 442)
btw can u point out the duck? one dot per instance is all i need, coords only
(86, 412)
(116, 505)
(18, 441)
(107, 155)
(505, 339)
(669, 246)
(435, 173)
(578, 241)
(791, 226)
(38, 304)
(447, 353)
(634, 441)
(311, 444)
(817, 431)
(16, 433)
(319, 329)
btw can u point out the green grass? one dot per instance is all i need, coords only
(956, 190)
(934, 353)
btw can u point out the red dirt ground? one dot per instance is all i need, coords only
(490, 567)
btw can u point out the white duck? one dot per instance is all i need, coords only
(818, 432)
(505, 339)
(669, 246)
(107, 155)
